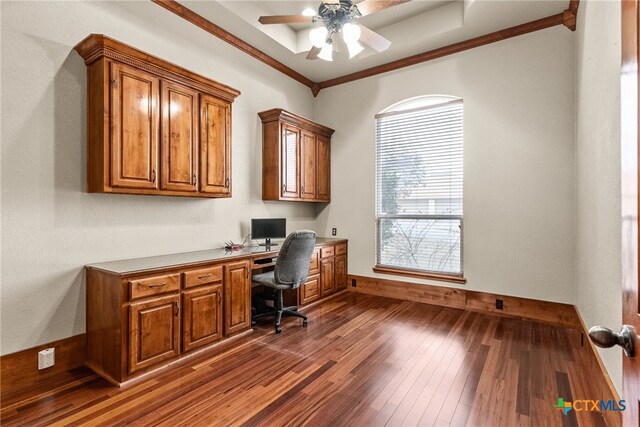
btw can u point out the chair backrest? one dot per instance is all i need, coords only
(292, 265)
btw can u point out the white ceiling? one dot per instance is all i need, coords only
(413, 27)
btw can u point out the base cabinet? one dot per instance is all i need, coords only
(340, 265)
(154, 331)
(328, 284)
(310, 291)
(201, 317)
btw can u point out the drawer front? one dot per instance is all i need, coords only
(341, 249)
(202, 276)
(310, 291)
(157, 285)
(314, 265)
(327, 251)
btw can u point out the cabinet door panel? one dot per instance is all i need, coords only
(341, 272)
(237, 297)
(179, 137)
(215, 146)
(308, 159)
(290, 158)
(134, 127)
(323, 166)
(154, 332)
(201, 317)
(327, 279)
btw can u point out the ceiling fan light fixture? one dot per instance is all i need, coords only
(326, 53)
(318, 37)
(351, 33)
(354, 49)
(309, 12)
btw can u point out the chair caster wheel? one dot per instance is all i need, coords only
(304, 323)
(278, 329)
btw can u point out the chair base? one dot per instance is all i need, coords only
(279, 312)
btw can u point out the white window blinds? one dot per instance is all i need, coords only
(419, 170)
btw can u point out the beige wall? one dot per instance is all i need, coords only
(519, 198)
(598, 259)
(50, 226)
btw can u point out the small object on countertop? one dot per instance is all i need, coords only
(233, 246)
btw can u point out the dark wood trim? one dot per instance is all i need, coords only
(420, 274)
(496, 36)
(21, 368)
(197, 20)
(542, 311)
(566, 18)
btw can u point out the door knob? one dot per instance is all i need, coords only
(605, 338)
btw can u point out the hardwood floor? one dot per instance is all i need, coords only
(362, 361)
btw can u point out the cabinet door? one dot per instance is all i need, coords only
(308, 159)
(179, 138)
(154, 332)
(201, 316)
(310, 291)
(134, 132)
(327, 279)
(237, 297)
(290, 161)
(323, 166)
(215, 146)
(341, 272)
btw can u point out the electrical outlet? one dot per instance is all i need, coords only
(499, 304)
(334, 231)
(46, 358)
(353, 283)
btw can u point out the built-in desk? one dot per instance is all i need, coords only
(146, 313)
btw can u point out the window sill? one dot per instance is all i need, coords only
(419, 274)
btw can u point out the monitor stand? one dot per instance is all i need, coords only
(267, 243)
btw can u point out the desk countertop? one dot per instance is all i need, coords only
(139, 265)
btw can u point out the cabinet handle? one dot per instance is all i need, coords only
(153, 176)
(176, 308)
(219, 297)
(283, 188)
(302, 190)
(204, 276)
(157, 285)
(226, 183)
(246, 270)
(195, 180)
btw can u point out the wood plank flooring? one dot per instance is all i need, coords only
(362, 361)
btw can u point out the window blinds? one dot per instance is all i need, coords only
(419, 171)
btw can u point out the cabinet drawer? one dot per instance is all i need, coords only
(341, 249)
(326, 251)
(202, 276)
(154, 286)
(310, 291)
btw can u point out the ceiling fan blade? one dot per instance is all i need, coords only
(367, 7)
(373, 39)
(286, 19)
(313, 53)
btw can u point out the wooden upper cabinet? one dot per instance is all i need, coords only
(215, 146)
(296, 158)
(135, 97)
(179, 137)
(153, 127)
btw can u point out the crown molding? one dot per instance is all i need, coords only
(566, 18)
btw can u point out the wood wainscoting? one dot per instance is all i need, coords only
(21, 368)
(543, 311)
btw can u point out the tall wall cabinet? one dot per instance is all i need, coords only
(153, 127)
(296, 158)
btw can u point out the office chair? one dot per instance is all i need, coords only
(290, 272)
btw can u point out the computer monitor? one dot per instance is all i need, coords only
(268, 228)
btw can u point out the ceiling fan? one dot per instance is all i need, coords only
(339, 16)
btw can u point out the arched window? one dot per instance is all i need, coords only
(419, 169)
